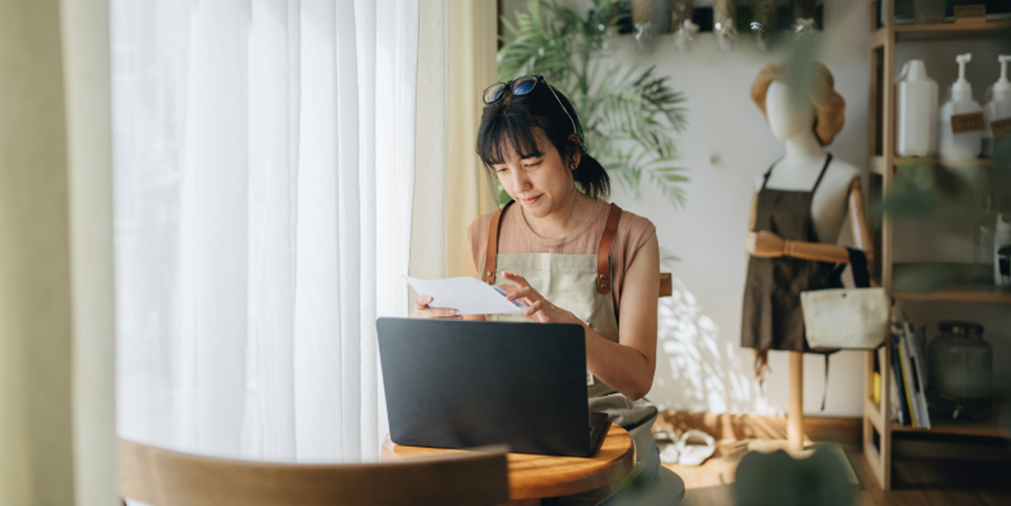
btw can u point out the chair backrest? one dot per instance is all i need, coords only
(666, 285)
(161, 477)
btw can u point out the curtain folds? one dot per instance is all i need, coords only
(264, 165)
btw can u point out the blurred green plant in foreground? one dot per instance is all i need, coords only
(628, 115)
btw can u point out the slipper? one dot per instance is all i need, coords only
(668, 444)
(669, 454)
(691, 453)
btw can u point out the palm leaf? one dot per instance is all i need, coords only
(628, 116)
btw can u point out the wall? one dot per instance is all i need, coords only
(700, 365)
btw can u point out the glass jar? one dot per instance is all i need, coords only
(960, 372)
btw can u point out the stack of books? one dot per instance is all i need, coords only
(909, 365)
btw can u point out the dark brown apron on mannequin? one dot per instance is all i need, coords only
(773, 319)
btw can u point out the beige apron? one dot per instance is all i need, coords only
(580, 284)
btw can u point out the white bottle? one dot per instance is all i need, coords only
(1001, 238)
(998, 107)
(962, 145)
(916, 116)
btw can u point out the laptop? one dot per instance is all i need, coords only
(464, 384)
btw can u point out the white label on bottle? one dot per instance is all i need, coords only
(971, 122)
(1001, 128)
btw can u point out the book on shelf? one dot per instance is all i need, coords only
(902, 412)
(917, 375)
(906, 382)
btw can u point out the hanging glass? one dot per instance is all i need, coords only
(684, 29)
(724, 19)
(649, 18)
(803, 18)
(763, 23)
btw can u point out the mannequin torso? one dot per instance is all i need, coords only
(837, 194)
(799, 168)
(829, 205)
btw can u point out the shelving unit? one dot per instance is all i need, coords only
(942, 281)
(919, 281)
(951, 31)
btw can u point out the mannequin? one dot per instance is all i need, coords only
(806, 166)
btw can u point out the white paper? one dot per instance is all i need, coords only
(466, 295)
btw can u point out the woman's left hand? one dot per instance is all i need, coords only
(540, 310)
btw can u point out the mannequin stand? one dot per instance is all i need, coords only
(795, 417)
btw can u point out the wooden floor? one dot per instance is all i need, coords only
(916, 481)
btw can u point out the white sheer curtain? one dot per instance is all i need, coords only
(264, 159)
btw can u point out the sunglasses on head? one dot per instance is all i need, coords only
(522, 86)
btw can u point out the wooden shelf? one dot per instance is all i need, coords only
(967, 293)
(995, 426)
(948, 31)
(930, 160)
(917, 281)
(943, 281)
(987, 428)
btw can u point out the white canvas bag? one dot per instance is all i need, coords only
(847, 318)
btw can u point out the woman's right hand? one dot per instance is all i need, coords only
(421, 310)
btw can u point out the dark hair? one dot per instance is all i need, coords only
(511, 120)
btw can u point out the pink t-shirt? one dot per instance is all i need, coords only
(515, 236)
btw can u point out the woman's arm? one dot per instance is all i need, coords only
(421, 309)
(628, 365)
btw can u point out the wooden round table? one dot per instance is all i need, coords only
(533, 477)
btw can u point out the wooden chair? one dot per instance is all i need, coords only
(161, 477)
(666, 285)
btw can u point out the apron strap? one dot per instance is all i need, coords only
(603, 252)
(490, 254)
(765, 178)
(828, 160)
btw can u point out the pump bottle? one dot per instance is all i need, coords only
(967, 144)
(997, 108)
(916, 134)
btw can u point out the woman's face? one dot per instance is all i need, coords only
(542, 185)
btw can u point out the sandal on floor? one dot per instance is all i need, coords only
(695, 447)
(668, 444)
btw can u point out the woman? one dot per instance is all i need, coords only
(569, 255)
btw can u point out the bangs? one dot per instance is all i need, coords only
(505, 130)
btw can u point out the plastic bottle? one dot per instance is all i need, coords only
(998, 107)
(983, 241)
(962, 145)
(916, 134)
(1001, 238)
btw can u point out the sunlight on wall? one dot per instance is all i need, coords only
(691, 366)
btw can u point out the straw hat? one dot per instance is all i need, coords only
(830, 108)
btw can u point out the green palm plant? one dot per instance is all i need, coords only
(628, 116)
